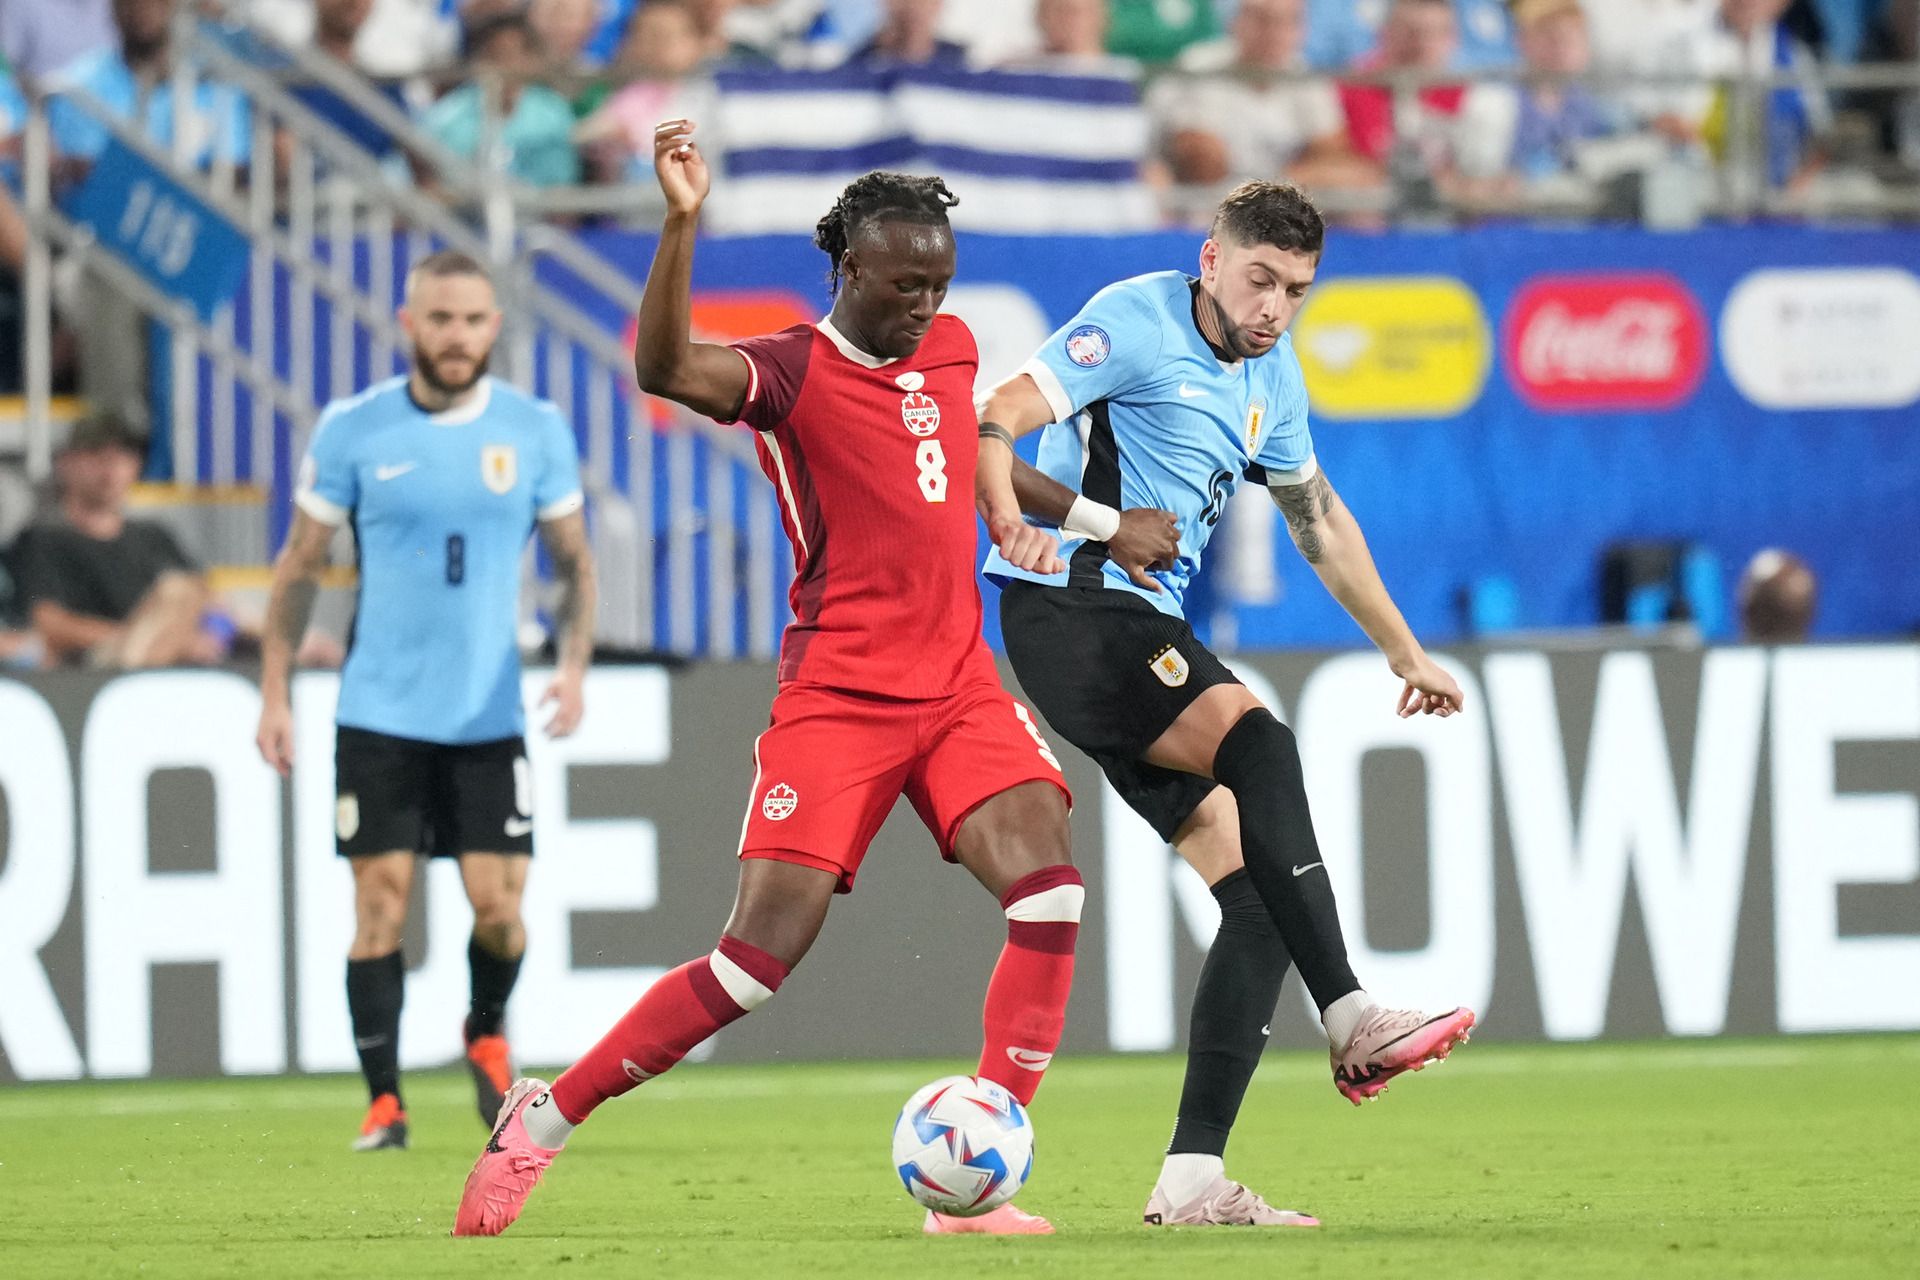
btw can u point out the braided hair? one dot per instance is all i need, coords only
(878, 197)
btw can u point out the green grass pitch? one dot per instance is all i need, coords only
(1751, 1158)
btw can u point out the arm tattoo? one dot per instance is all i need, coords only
(573, 566)
(994, 431)
(1303, 505)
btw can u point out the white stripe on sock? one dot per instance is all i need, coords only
(1059, 904)
(741, 987)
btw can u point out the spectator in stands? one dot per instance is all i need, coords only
(400, 38)
(536, 123)
(909, 36)
(39, 37)
(1418, 36)
(1652, 38)
(131, 80)
(1341, 32)
(663, 49)
(728, 33)
(1535, 133)
(337, 25)
(1226, 118)
(20, 645)
(1158, 31)
(104, 589)
(1073, 41)
(123, 78)
(565, 28)
(1838, 30)
(1777, 598)
(1751, 40)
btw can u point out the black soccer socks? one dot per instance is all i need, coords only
(493, 977)
(1259, 761)
(375, 991)
(1232, 1016)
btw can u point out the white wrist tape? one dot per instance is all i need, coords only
(1089, 519)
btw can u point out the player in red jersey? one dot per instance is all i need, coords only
(866, 429)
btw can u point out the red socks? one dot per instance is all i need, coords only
(1025, 1010)
(678, 1012)
(1027, 999)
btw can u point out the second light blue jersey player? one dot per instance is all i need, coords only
(441, 506)
(1148, 413)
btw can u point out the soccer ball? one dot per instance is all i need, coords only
(963, 1145)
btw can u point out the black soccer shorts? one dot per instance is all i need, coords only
(404, 795)
(1111, 673)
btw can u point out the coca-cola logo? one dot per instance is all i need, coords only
(1605, 341)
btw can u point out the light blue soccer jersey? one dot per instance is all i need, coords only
(441, 506)
(1146, 414)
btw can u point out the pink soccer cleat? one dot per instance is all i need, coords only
(507, 1170)
(1389, 1041)
(1004, 1221)
(1224, 1203)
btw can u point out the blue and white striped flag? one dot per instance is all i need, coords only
(1024, 151)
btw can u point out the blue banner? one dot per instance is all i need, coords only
(1499, 406)
(168, 234)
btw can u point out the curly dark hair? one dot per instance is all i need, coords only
(878, 197)
(1275, 213)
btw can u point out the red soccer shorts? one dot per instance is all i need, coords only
(831, 764)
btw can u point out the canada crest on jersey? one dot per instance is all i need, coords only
(920, 412)
(499, 467)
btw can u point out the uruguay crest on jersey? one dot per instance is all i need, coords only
(499, 467)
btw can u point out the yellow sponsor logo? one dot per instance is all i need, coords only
(1394, 347)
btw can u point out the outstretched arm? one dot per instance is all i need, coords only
(707, 378)
(1328, 536)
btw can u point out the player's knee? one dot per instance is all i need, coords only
(499, 931)
(1052, 895)
(495, 912)
(1016, 833)
(1258, 747)
(378, 933)
(747, 974)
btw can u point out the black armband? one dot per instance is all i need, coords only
(994, 431)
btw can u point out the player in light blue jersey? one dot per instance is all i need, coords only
(1157, 399)
(443, 474)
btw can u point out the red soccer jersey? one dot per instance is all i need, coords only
(872, 461)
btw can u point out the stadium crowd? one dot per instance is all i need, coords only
(1579, 105)
(1232, 88)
